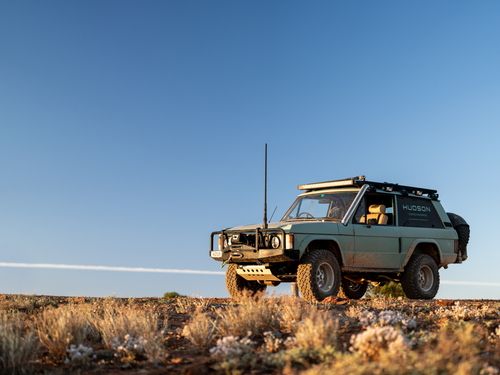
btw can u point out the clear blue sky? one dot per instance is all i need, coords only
(129, 131)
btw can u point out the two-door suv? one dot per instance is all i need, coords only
(340, 235)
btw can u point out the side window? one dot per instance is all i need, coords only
(360, 212)
(417, 212)
(376, 206)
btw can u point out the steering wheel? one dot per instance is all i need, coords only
(308, 215)
(337, 202)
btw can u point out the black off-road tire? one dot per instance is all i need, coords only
(463, 232)
(420, 280)
(352, 290)
(318, 275)
(237, 285)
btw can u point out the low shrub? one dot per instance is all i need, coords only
(374, 340)
(316, 331)
(173, 295)
(389, 290)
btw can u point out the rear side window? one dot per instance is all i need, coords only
(417, 212)
(375, 199)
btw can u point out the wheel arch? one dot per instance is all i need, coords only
(424, 246)
(328, 243)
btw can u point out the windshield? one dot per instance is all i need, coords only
(329, 206)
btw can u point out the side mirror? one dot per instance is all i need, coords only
(372, 222)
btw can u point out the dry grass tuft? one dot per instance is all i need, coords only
(120, 323)
(250, 315)
(200, 331)
(58, 328)
(318, 330)
(382, 303)
(17, 349)
(353, 312)
(291, 311)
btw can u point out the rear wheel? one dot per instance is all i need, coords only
(421, 277)
(237, 285)
(350, 289)
(318, 275)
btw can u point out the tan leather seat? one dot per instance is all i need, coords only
(377, 212)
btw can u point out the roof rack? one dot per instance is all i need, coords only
(361, 180)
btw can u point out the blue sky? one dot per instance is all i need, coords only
(129, 131)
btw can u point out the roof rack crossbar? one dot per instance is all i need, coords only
(387, 186)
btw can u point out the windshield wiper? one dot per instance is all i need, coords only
(299, 219)
(312, 219)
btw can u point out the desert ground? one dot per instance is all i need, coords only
(268, 335)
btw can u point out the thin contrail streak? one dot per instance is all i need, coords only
(106, 268)
(478, 283)
(161, 270)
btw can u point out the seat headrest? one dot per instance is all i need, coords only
(377, 209)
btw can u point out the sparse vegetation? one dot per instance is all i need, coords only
(254, 316)
(389, 290)
(173, 295)
(18, 345)
(201, 330)
(58, 328)
(54, 335)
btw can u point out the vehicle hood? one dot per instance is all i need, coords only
(296, 227)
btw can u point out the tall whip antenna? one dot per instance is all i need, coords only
(265, 191)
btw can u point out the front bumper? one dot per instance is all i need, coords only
(255, 253)
(264, 256)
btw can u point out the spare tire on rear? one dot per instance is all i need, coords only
(463, 231)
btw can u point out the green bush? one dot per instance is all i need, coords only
(389, 290)
(172, 295)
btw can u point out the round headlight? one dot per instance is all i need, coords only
(275, 242)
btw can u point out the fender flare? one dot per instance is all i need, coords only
(314, 237)
(417, 242)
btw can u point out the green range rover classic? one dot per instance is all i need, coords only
(340, 235)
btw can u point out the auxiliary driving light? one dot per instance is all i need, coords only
(327, 184)
(275, 242)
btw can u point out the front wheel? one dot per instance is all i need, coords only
(238, 286)
(421, 277)
(318, 275)
(350, 289)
